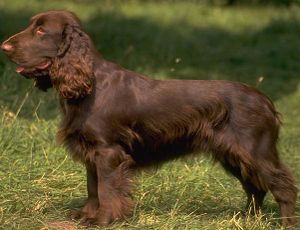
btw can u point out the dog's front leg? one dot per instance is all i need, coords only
(114, 176)
(89, 212)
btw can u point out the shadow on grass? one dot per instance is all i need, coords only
(203, 208)
(197, 209)
(176, 50)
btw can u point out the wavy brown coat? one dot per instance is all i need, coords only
(116, 121)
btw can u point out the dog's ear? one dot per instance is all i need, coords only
(72, 70)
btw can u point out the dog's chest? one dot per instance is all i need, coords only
(76, 132)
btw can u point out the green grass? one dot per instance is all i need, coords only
(38, 181)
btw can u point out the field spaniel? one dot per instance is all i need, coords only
(116, 121)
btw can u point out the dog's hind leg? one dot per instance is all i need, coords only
(260, 170)
(255, 195)
(281, 184)
(276, 177)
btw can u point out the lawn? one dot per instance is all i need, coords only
(259, 46)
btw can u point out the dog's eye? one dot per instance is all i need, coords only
(40, 31)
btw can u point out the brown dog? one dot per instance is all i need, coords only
(115, 120)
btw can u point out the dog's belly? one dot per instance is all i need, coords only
(160, 152)
(154, 149)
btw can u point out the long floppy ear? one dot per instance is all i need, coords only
(72, 69)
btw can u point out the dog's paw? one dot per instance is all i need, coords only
(84, 218)
(75, 214)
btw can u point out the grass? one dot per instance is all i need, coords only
(256, 45)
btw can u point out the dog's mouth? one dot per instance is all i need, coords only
(39, 73)
(41, 67)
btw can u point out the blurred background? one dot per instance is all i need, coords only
(252, 41)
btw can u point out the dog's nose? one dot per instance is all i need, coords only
(6, 47)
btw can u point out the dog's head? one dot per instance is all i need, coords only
(54, 51)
